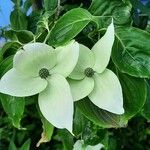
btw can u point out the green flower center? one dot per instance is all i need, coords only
(44, 73)
(89, 72)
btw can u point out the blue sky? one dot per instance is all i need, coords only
(6, 7)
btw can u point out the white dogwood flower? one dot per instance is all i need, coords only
(38, 68)
(91, 78)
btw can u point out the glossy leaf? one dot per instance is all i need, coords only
(146, 109)
(135, 94)
(9, 48)
(79, 122)
(68, 26)
(50, 5)
(14, 107)
(26, 145)
(131, 52)
(18, 20)
(12, 146)
(66, 138)
(27, 5)
(5, 65)
(119, 10)
(23, 36)
(98, 116)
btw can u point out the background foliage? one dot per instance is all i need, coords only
(57, 22)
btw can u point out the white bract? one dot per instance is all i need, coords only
(79, 145)
(91, 78)
(38, 68)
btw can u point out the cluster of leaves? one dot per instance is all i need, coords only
(57, 22)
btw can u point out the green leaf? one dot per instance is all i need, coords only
(135, 94)
(33, 18)
(93, 134)
(50, 5)
(27, 5)
(26, 145)
(66, 138)
(5, 65)
(119, 10)
(23, 36)
(146, 109)
(68, 26)
(98, 116)
(131, 51)
(79, 122)
(47, 132)
(8, 49)
(14, 108)
(44, 21)
(18, 20)
(12, 146)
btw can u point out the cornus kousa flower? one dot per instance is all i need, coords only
(38, 68)
(91, 77)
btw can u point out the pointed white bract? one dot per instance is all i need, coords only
(15, 83)
(102, 49)
(33, 57)
(81, 88)
(56, 102)
(38, 68)
(67, 57)
(85, 60)
(106, 91)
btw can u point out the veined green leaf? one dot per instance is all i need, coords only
(5, 65)
(23, 36)
(119, 10)
(66, 138)
(12, 146)
(18, 20)
(27, 5)
(131, 51)
(50, 5)
(98, 116)
(68, 26)
(146, 109)
(14, 107)
(8, 49)
(79, 122)
(26, 145)
(135, 94)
